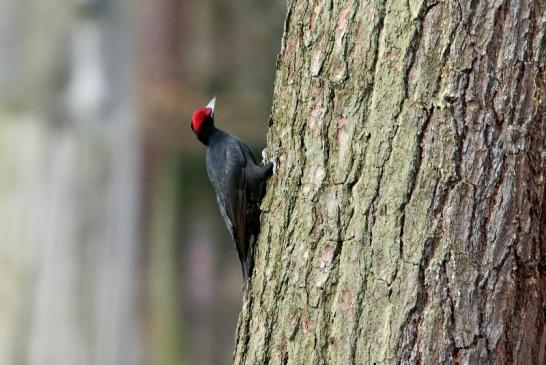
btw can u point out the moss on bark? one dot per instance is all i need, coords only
(406, 224)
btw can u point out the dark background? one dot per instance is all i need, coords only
(189, 52)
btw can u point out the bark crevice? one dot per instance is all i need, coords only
(406, 223)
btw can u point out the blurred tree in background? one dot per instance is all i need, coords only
(68, 185)
(112, 248)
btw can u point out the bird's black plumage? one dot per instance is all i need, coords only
(239, 184)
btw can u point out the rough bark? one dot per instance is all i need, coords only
(407, 222)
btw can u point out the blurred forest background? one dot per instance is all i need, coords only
(112, 249)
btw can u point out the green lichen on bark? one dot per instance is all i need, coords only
(406, 222)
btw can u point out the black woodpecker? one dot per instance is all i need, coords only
(238, 181)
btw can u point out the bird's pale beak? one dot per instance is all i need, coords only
(211, 105)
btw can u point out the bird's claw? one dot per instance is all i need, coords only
(274, 160)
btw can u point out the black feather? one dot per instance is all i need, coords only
(240, 185)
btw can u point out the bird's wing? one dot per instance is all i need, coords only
(227, 174)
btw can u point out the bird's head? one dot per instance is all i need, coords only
(202, 122)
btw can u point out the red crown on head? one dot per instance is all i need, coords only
(199, 117)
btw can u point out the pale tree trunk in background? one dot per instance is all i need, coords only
(68, 208)
(407, 222)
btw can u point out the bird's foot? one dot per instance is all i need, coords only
(274, 158)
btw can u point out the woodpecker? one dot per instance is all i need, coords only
(239, 182)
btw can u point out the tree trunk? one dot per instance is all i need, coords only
(407, 221)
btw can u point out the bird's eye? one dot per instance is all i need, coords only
(191, 125)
